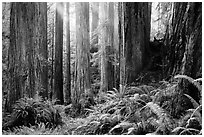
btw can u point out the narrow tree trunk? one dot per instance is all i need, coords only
(94, 23)
(103, 42)
(106, 43)
(68, 73)
(52, 64)
(122, 65)
(82, 74)
(110, 49)
(43, 52)
(116, 47)
(58, 75)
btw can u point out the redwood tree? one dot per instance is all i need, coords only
(106, 45)
(94, 23)
(68, 71)
(42, 47)
(82, 74)
(185, 45)
(136, 37)
(27, 51)
(58, 73)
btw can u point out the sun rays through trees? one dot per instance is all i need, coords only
(102, 68)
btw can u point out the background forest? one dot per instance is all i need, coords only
(102, 68)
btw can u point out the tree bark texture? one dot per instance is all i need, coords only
(52, 63)
(42, 48)
(82, 74)
(116, 47)
(94, 24)
(68, 72)
(58, 74)
(110, 48)
(106, 44)
(137, 33)
(26, 52)
(190, 40)
(122, 66)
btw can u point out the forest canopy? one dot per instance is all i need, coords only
(102, 68)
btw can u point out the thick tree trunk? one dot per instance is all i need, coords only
(137, 32)
(82, 74)
(26, 51)
(58, 75)
(184, 43)
(191, 59)
(185, 50)
(68, 72)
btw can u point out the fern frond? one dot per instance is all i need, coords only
(194, 113)
(195, 104)
(146, 89)
(197, 113)
(177, 129)
(116, 91)
(155, 109)
(134, 90)
(111, 92)
(189, 130)
(121, 127)
(191, 80)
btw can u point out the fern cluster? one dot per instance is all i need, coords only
(29, 112)
(134, 111)
(144, 110)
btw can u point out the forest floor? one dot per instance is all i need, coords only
(146, 107)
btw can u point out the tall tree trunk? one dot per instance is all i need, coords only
(58, 75)
(52, 64)
(94, 23)
(94, 45)
(106, 43)
(116, 47)
(42, 48)
(186, 45)
(136, 31)
(186, 30)
(122, 66)
(110, 48)
(68, 73)
(26, 43)
(82, 74)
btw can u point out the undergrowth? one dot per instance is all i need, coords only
(30, 112)
(138, 110)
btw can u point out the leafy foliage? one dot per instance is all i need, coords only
(138, 111)
(30, 112)
(191, 80)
